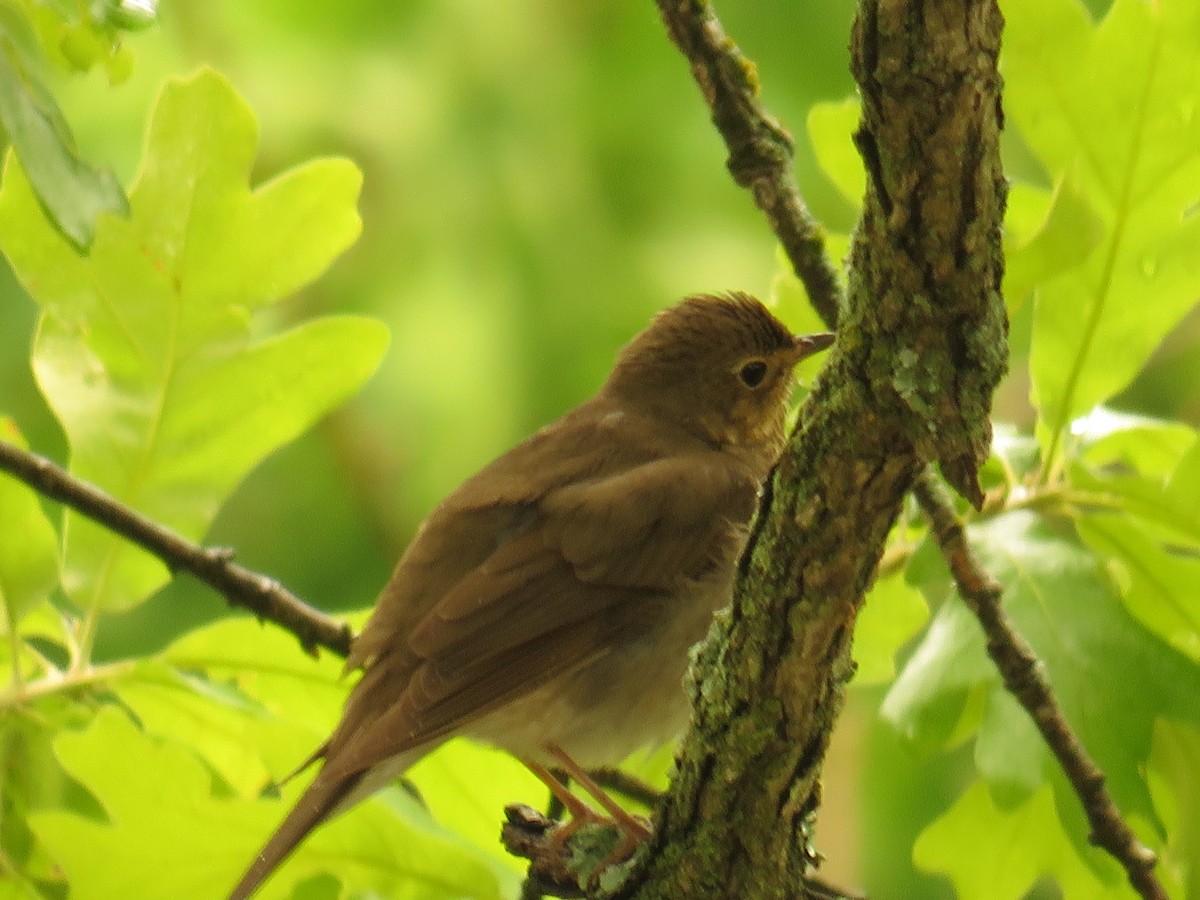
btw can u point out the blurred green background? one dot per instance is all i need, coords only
(540, 177)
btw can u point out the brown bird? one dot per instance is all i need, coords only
(546, 607)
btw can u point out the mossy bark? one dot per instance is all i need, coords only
(922, 344)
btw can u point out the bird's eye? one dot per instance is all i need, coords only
(752, 373)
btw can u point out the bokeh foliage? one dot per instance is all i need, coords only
(536, 180)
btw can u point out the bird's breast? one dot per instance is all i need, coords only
(630, 698)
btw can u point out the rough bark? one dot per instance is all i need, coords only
(921, 347)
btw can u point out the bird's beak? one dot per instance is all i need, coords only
(808, 344)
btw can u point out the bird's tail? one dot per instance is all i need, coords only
(321, 800)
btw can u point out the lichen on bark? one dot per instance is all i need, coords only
(921, 347)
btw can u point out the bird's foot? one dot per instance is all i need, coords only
(572, 858)
(634, 829)
(584, 848)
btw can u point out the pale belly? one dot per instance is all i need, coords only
(629, 699)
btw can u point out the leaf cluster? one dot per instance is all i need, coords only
(173, 370)
(74, 37)
(1091, 522)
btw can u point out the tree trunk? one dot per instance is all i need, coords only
(921, 347)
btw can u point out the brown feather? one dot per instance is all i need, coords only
(315, 805)
(586, 559)
(568, 569)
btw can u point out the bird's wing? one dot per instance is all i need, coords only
(499, 594)
(591, 564)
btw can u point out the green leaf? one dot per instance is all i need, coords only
(1013, 757)
(198, 692)
(31, 780)
(1014, 456)
(389, 847)
(167, 836)
(129, 15)
(893, 613)
(1066, 234)
(1175, 783)
(28, 543)
(1061, 602)
(1153, 448)
(1184, 485)
(1159, 586)
(997, 854)
(148, 351)
(466, 787)
(939, 710)
(216, 721)
(1169, 507)
(72, 194)
(831, 127)
(1115, 106)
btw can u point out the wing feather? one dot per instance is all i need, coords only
(549, 584)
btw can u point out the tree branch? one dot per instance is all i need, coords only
(761, 159)
(241, 587)
(1024, 679)
(760, 148)
(769, 680)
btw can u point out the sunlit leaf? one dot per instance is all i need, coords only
(1159, 586)
(1064, 238)
(1165, 508)
(893, 613)
(1184, 485)
(167, 836)
(296, 703)
(1175, 784)
(467, 786)
(1115, 105)
(1112, 676)
(1153, 448)
(296, 699)
(831, 128)
(72, 193)
(28, 543)
(130, 15)
(31, 781)
(149, 350)
(997, 854)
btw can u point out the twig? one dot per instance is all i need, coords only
(241, 587)
(55, 681)
(524, 821)
(760, 148)
(1023, 677)
(760, 158)
(530, 835)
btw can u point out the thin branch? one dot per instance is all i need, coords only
(1024, 678)
(57, 682)
(760, 158)
(241, 587)
(760, 148)
(528, 834)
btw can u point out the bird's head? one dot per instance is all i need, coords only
(719, 365)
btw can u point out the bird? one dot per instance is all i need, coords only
(547, 606)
